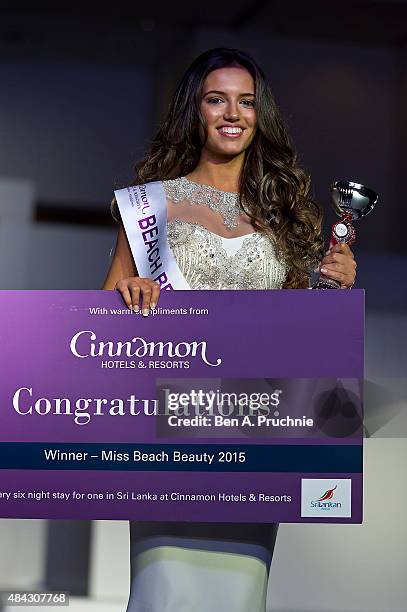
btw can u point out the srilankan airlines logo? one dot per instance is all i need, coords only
(326, 498)
(328, 494)
(324, 501)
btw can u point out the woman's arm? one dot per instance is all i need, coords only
(123, 276)
(122, 265)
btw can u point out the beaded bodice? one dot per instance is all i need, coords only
(224, 202)
(206, 263)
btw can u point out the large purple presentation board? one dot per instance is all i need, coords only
(229, 406)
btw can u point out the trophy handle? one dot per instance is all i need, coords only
(342, 231)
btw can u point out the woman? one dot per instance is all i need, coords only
(238, 217)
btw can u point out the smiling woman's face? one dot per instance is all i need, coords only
(228, 106)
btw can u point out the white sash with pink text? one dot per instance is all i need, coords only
(143, 209)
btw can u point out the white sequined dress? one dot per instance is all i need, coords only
(206, 567)
(210, 261)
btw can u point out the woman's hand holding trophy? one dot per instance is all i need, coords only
(350, 201)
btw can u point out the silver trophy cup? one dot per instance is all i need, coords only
(350, 201)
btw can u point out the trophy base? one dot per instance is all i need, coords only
(326, 283)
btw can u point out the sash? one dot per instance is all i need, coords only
(143, 209)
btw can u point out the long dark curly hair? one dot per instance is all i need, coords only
(274, 190)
